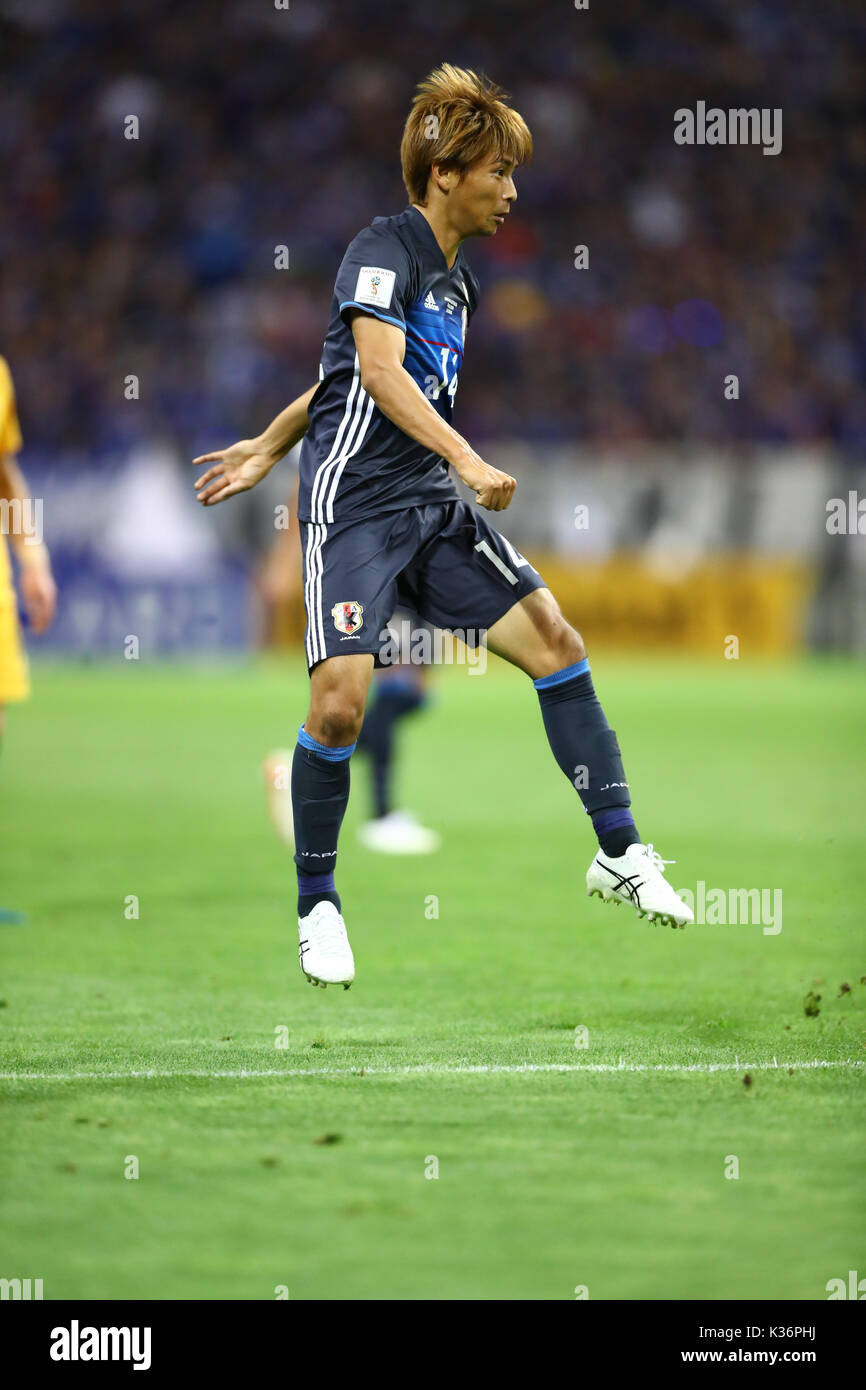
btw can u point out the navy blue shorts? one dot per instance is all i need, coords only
(441, 561)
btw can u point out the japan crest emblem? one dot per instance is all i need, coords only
(348, 617)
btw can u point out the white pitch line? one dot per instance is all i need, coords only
(425, 1069)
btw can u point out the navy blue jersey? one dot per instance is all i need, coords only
(355, 462)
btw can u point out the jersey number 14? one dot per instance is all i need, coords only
(433, 387)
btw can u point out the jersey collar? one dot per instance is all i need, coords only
(424, 232)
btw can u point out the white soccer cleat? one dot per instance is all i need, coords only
(637, 878)
(324, 951)
(277, 768)
(398, 833)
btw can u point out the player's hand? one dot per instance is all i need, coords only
(235, 470)
(39, 594)
(493, 490)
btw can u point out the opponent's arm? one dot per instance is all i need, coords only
(381, 349)
(38, 590)
(280, 574)
(244, 464)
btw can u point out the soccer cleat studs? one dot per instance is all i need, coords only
(666, 919)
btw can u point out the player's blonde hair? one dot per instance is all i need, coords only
(458, 118)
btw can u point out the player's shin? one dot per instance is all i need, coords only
(586, 748)
(320, 794)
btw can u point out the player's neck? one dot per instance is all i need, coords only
(447, 237)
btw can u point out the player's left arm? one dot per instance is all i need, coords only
(38, 590)
(244, 464)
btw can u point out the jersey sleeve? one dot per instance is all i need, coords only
(376, 275)
(10, 430)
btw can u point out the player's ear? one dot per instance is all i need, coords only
(443, 177)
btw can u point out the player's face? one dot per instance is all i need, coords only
(483, 198)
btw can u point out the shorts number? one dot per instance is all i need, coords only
(516, 556)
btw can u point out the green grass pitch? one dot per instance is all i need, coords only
(133, 781)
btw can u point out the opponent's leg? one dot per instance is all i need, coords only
(8, 917)
(395, 697)
(535, 636)
(277, 769)
(399, 690)
(320, 794)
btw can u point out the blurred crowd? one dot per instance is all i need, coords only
(260, 127)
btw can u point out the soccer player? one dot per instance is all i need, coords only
(383, 521)
(37, 584)
(399, 689)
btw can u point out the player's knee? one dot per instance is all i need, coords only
(571, 646)
(337, 719)
(563, 643)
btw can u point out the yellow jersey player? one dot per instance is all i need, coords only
(19, 521)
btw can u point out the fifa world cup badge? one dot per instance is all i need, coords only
(348, 617)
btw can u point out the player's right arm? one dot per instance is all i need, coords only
(38, 589)
(381, 348)
(244, 464)
(36, 580)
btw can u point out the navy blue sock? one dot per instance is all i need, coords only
(586, 748)
(394, 699)
(320, 794)
(316, 888)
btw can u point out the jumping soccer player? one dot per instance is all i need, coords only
(383, 521)
(37, 584)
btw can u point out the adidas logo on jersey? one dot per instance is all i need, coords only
(430, 302)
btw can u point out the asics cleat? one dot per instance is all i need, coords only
(637, 878)
(324, 951)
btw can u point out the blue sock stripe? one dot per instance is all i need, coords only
(333, 755)
(603, 821)
(567, 673)
(315, 883)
